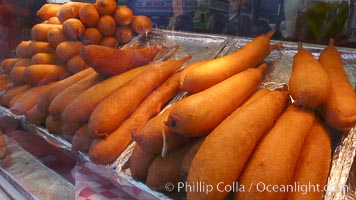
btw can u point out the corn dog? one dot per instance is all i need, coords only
(41, 74)
(7, 64)
(152, 136)
(105, 7)
(23, 62)
(78, 111)
(269, 165)
(339, 109)
(82, 139)
(111, 61)
(39, 31)
(224, 152)
(106, 150)
(216, 70)
(69, 10)
(166, 169)
(35, 116)
(23, 49)
(139, 163)
(188, 158)
(88, 14)
(67, 49)
(16, 75)
(114, 109)
(313, 164)
(309, 83)
(46, 98)
(10, 93)
(28, 100)
(76, 64)
(40, 47)
(61, 100)
(55, 36)
(73, 28)
(193, 117)
(48, 10)
(45, 58)
(53, 124)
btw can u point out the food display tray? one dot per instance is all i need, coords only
(278, 74)
(203, 47)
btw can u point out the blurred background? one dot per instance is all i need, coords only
(311, 21)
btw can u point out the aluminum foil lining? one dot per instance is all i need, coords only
(203, 47)
(339, 184)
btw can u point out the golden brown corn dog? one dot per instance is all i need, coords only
(104, 151)
(53, 124)
(47, 96)
(88, 14)
(211, 72)
(309, 83)
(152, 136)
(53, 20)
(67, 49)
(188, 158)
(140, 162)
(23, 49)
(55, 36)
(78, 111)
(76, 64)
(339, 109)
(7, 64)
(9, 94)
(69, 10)
(22, 62)
(224, 152)
(61, 100)
(17, 97)
(199, 113)
(5, 84)
(106, 25)
(166, 169)
(82, 139)
(28, 100)
(114, 109)
(313, 164)
(17, 75)
(40, 47)
(257, 94)
(35, 116)
(44, 58)
(111, 61)
(41, 74)
(105, 7)
(73, 28)
(39, 31)
(48, 10)
(271, 166)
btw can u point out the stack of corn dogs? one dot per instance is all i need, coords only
(230, 131)
(74, 79)
(78, 79)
